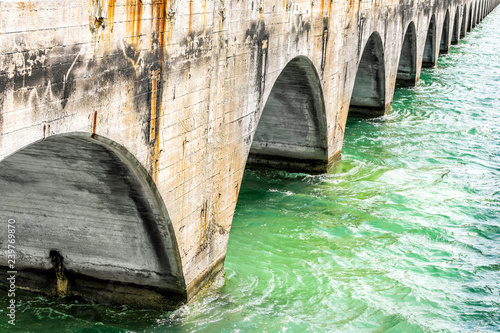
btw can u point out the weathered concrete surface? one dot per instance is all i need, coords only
(171, 94)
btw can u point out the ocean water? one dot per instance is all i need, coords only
(402, 236)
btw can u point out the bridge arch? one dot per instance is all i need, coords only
(429, 56)
(407, 66)
(463, 29)
(444, 45)
(471, 19)
(291, 132)
(92, 223)
(473, 15)
(455, 34)
(368, 94)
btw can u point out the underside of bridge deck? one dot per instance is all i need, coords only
(292, 129)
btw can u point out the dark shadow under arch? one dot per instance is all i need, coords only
(471, 19)
(88, 200)
(463, 30)
(368, 94)
(407, 66)
(429, 57)
(455, 34)
(474, 14)
(444, 45)
(291, 133)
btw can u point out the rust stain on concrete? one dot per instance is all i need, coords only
(351, 4)
(154, 134)
(155, 158)
(111, 13)
(237, 193)
(62, 281)
(26, 6)
(134, 21)
(159, 13)
(204, 13)
(330, 10)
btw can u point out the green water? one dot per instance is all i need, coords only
(402, 236)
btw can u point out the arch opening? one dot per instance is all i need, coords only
(368, 95)
(455, 35)
(291, 133)
(429, 57)
(444, 45)
(478, 14)
(463, 30)
(92, 223)
(473, 16)
(471, 19)
(407, 67)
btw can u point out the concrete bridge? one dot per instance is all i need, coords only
(126, 125)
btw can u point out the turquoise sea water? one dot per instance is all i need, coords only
(402, 236)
